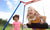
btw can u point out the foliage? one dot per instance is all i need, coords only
(3, 22)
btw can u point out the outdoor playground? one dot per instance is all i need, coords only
(8, 26)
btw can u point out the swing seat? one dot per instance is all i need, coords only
(38, 25)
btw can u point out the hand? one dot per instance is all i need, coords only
(29, 22)
(41, 23)
(25, 27)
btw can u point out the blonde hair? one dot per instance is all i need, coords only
(34, 10)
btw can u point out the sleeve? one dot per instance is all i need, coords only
(13, 23)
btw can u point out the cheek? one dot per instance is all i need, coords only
(32, 11)
(28, 12)
(15, 18)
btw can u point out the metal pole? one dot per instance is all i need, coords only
(23, 16)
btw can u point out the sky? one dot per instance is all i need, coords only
(7, 7)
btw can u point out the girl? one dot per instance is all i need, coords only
(17, 23)
(36, 20)
(32, 18)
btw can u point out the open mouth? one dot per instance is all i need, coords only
(30, 13)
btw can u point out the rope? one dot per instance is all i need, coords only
(11, 17)
(43, 11)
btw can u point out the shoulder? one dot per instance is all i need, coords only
(13, 22)
(20, 22)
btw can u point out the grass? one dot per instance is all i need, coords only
(9, 27)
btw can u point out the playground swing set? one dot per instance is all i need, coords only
(14, 13)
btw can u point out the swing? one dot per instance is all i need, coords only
(36, 24)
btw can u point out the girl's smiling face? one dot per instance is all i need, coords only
(31, 11)
(16, 19)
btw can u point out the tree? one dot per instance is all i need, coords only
(3, 22)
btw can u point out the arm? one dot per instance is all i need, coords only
(43, 19)
(23, 25)
(12, 27)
